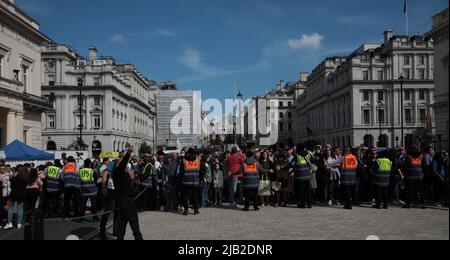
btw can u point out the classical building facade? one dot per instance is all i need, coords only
(440, 35)
(283, 98)
(21, 105)
(118, 104)
(355, 99)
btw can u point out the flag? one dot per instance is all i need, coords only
(405, 7)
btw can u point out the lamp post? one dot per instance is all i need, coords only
(239, 97)
(80, 110)
(397, 139)
(379, 121)
(401, 78)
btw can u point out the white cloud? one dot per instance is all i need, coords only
(165, 32)
(117, 39)
(192, 59)
(311, 42)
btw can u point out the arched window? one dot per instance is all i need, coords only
(383, 142)
(51, 146)
(368, 141)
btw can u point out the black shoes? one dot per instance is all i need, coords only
(406, 207)
(196, 212)
(185, 213)
(256, 209)
(348, 207)
(246, 210)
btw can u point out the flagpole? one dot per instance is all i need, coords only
(406, 17)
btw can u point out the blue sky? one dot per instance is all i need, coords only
(207, 45)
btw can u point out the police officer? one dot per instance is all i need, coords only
(250, 181)
(53, 188)
(190, 176)
(72, 186)
(302, 178)
(149, 183)
(349, 166)
(88, 188)
(414, 176)
(381, 176)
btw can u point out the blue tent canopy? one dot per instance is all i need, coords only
(18, 151)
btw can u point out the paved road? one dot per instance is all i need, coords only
(320, 223)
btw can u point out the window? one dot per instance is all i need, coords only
(281, 115)
(79, 123)
(408, 95)
(1, 65)
(81, 63)
(51, 80)
(366, 95)
(290, 115)
(290, 104)
(25, 135)
(97, 121)
(423, 115)
(280, 104)
(422, 94)
(408, 116)
(380, 75)
(97, 101)
(51, 121)
(99, 62)
(406, 60)
(381, 116)
(422, 74)
(380, 96)
(96, 81)
(281, 127)
(366, 118)
(290, 126)
(407, 73)
(422, 60)
(24, 77)
(366, 75)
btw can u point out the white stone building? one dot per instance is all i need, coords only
(355, 100)
(21, 104)
(118, 103)
(440, 36)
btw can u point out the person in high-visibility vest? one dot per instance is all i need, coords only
(302, 178)
(72, 186)
(190, 175)
(88, 188)
(349, 166)
(381, 180)
(414, 176)
(52, 188)
(251, 175)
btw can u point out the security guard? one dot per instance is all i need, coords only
(348, 177)
(250, 181)
(72, 186)
(53, 188)
(149, 183)
(88, 188)
(302, 178)
(381, 180)
(190, 176)
(414, 176)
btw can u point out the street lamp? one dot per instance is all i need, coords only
(379, 107)
(401, 78)
(80, 110)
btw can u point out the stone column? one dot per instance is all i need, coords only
(19, 126)
(10, 127)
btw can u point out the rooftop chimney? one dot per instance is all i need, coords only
(388, 34)
(304, 76)
(92, 53)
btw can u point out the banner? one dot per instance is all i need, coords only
(109, 155)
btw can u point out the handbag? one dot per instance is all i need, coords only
(276, 186)
(265, 188)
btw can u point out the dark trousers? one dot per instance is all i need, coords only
(414, 187)
(190, 193)
(381, 196)
(348, 192)
(109, 203)
(32, 196)
(128, 214)
(250, 196)
(51, 204)
(93, 206)
(150, 199)
(303, 193)
(71, 194)
(170, 196)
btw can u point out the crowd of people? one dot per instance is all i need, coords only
(301, 176)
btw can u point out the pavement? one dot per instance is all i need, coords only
(319, 223)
